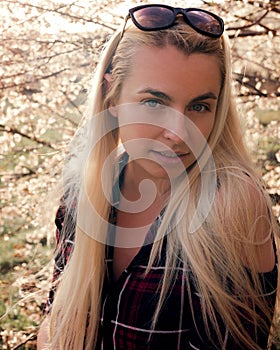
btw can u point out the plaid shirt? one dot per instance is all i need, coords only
(128, 305)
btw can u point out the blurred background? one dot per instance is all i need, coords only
(48, 53)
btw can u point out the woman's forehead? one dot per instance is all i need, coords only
(169, 69)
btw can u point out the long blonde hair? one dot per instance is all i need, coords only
(217, 242)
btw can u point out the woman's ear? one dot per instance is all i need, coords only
(108, 80)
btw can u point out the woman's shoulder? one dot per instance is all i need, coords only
(244, 188)
(247, 211)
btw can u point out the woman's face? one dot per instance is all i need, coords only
(167, 108)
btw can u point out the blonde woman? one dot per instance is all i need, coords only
(166, 238)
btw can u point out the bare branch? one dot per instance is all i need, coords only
(65, 14)
(31, 336)
(254, 33)
(250, 24)
(18, 176)
(242, 30)
(72, 103)
(251, 83)
(13, 130)
(272, 5)
(3, 87)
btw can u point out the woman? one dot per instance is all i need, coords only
(165, 234)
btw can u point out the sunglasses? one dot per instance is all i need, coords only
(156, 17)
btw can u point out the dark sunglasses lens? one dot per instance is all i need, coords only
(153, 17)
(204, 22)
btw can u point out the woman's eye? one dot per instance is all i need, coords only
(152, 104)
(199, 108)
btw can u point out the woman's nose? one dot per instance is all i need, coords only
(175, 129)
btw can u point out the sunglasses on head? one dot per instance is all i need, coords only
(156, 17)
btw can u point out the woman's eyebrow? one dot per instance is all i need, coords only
(156, 93)
(162, 95)
(206, 96)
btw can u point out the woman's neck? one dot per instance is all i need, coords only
(141, 186)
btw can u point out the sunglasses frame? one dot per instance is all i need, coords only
(176, 11)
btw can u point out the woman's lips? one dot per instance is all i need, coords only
(169, 157)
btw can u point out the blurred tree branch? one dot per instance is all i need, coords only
(66, 12)
(15, 131)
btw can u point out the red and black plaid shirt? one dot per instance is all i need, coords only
(128, 305)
